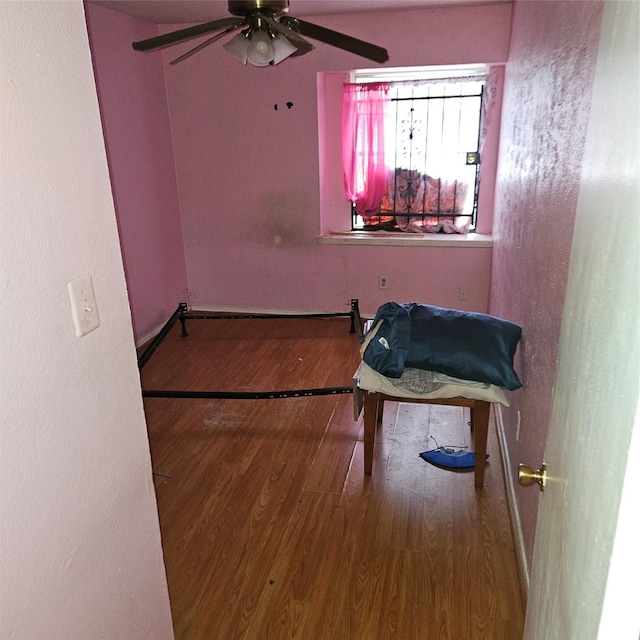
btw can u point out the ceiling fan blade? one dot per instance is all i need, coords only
(204, 44)
(291, 35)
(188, 33)
(336, 39)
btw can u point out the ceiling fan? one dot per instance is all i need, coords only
(268, 35)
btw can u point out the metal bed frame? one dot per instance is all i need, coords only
(182, 314)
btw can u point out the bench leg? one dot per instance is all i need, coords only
(480, 426)
(371, 402)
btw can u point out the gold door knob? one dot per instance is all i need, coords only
(528, 476)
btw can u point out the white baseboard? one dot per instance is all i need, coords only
(147, 337)
(232, 310)
(514, 512)
(253, 311)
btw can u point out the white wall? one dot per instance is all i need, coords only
(80, 552)
(586, 543)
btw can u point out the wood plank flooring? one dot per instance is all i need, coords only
(271, 530)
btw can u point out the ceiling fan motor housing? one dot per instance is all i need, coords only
(246, 7)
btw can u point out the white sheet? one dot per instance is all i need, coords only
(369, 380)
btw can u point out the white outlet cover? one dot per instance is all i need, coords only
(83, 305)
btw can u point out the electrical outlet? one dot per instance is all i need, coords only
(383, 283)
(463, 293)
(83, 305)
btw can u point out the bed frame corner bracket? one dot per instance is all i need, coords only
(183, 310)
(356, 319)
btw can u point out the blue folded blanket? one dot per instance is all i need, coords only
(462, 344)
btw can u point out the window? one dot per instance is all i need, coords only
(411, 148)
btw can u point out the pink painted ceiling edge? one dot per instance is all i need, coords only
(191, 11)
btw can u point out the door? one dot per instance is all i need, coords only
(584, 575)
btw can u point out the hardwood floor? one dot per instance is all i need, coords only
(270, 528)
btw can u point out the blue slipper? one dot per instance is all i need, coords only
(450, 458)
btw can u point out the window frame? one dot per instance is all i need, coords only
(335, 210)
(427, 76)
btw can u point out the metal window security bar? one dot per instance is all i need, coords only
(432, 141)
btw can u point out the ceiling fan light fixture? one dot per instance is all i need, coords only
(283, 49)
(261, 51)
(238, 47)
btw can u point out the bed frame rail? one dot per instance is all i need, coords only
(182, 314)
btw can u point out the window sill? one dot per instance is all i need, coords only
(472, 240)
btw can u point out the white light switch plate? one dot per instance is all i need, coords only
(83, 305)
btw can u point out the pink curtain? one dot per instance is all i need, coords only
(364, 109)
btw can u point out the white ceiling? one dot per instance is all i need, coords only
(191, 11)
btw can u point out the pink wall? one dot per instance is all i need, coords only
(248, 174)
(135, 119)
(546, 107)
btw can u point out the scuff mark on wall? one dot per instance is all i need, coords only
(286, 218)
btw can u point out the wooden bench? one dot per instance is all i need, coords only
(373, 402)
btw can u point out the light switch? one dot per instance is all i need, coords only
(83, 305)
